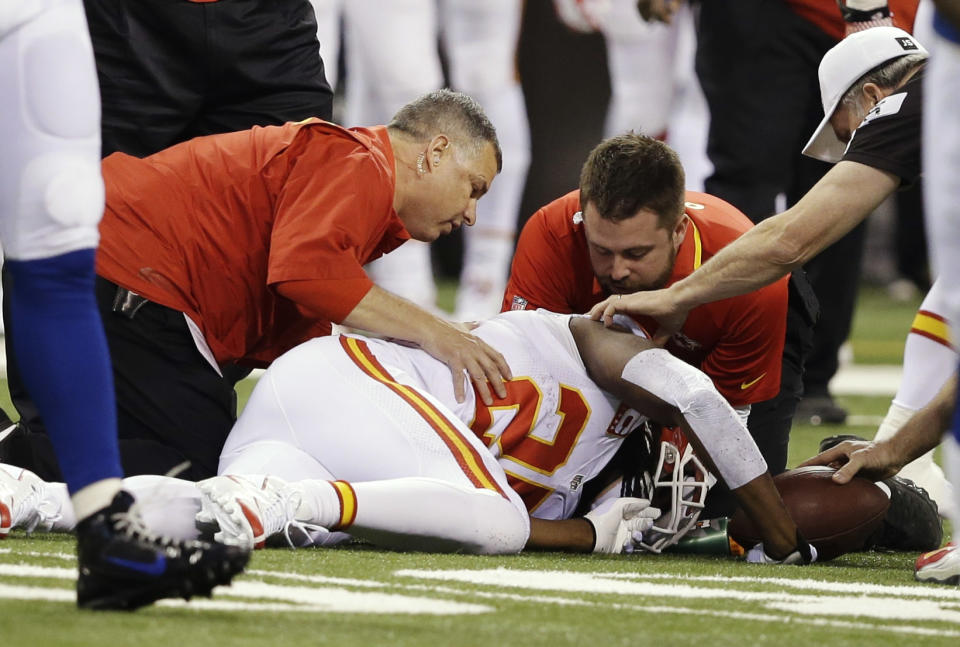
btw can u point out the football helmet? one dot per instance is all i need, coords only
(677, 483)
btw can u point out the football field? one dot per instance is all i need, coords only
(357, 596)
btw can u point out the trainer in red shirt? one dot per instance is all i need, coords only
(260, 236)
(246, 244)
(738, 342)
(632, 227)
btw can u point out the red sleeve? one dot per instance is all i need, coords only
(540, 269)
(325, 299)
(331, 217)
(745, 364)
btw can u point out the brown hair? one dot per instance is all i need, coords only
(630, 172)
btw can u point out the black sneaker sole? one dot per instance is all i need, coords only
(114, 594)
(953, 580)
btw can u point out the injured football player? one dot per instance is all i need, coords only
(356, 437)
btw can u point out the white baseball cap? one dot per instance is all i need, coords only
(843, 66)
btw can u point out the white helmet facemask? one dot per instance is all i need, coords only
(679, 487)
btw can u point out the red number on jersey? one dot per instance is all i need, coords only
(518, 445)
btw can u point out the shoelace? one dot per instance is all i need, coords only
(306, 528)
(282, 505)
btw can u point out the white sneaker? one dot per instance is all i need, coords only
(941, 566)
(23, 504)
(248, 511)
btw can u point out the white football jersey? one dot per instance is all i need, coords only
(555, 430)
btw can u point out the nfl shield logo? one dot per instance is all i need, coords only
(519, 303)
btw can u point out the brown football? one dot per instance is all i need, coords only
(837, 519)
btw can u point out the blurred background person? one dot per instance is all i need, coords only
(391, 54)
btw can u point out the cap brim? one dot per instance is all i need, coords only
(824, 145)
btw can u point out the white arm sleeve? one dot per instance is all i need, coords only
(720, 429)
(744, 413)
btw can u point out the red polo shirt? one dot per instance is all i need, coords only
(738, 342)
(214, 226)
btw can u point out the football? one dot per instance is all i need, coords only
(837, 519)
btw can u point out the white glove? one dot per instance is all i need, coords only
(585, 16)
(757, 555)
(619, 524)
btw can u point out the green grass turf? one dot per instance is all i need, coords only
(581, 600)
(880, 327)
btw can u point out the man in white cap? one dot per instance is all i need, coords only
(872, 92)
(870, 86)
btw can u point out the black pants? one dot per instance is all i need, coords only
(171, 70)
(770, 422)
(757, 63)
(835, 276)
(172, 406)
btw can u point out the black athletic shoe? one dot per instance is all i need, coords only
(820, 410)
(124, 566)
(912, 522)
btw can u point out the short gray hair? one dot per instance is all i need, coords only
(888, 74)
(453, 113)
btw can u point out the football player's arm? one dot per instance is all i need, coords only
(883, 459)
(575, 535)
(383, 313)
(654, 383)
(612, 527)
(843, 198)
(325, 227)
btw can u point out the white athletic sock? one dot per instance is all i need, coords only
(927, 365)
(94, 497)
(928, 356)
(321, 502)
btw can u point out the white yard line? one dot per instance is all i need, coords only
(823, 603)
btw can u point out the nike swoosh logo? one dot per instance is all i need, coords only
(156, 568)
(747, 385)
